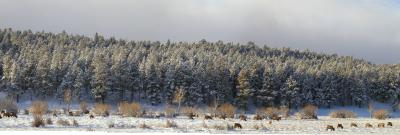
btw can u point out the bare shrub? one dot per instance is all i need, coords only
(129, 110)
(170, 124)
(83, 107)
(62, 122)
(9, 105)
(381, 114)
(38, 122)
(101, 109)
(39, 108)
(308, 112)
(227, 109)
(49, 121)
(342, 114)
(170, 112)
(269, 112)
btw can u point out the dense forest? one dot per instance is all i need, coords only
(41, 65)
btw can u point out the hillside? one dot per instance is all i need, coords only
(40, 65)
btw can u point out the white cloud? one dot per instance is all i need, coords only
(363, 28)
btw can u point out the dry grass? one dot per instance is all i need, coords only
(227, 109)
(62, 122)
(9, 105)
(83, 107)
(39, 108)
(38, 121)
(170, 124)
(170, 112)
(381, 114)
(129, 110)
(102, 109)
(342, 114)
(308, 112)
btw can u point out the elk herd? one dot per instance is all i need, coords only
(367, 125)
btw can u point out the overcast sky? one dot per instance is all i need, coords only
(368, 29)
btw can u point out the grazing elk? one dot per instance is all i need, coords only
(389, 124)
(243, 117)
(381, 125)
(222, 116)
(339, 126)
(70, 113)
(258, 117)
(207, 117)
(277, 118)
(91, 116)
(368, 125)
(330, 127)
(353, 124)
(54, 113)
(9, 114)
(237, 125)
(270, 122)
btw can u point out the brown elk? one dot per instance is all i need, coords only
(277, 118)
(258, 117)
(207, 117)
(243, 117)
(222, 116)
(339, 126)
(389, 124)
(9, 114)
(353, 124)
(237, 125)
(381, 125)
(330, 127)
(91, 116)
(368, 125)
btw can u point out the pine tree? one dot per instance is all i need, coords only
(244, 88)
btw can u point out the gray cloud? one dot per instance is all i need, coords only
(363, 28)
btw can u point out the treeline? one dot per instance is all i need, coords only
(44, 65)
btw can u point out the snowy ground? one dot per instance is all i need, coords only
(126, 125)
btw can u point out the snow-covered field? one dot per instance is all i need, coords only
(125, 125)
(199, 125)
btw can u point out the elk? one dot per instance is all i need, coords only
(353, 124)
(330, 127)
(237, 125)
(243, 117)
(339, 126)
(368, 125)
(381, 125)
(390, 124)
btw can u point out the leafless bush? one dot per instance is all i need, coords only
(9, 105)
(268, 112)
(101, 109)
(83, 106)
(129, 110)
(39, 108)
(170, 111)
(38, 121)
(62, 122)
(381, 114)
(227, 109)
(308, 112)
(342, 114)
(49, 121)
(170, 124)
